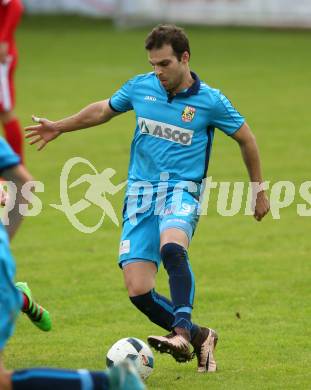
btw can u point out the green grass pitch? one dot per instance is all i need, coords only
(259, 270)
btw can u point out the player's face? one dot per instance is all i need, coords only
(170, 71)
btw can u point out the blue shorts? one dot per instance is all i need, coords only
(10, 297)
(145, 219)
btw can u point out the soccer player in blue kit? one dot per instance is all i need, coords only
(123, 377)
(176, 114)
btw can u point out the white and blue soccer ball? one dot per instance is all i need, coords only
(135, 350)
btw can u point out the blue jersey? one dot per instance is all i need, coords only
(8, 159)
(173, 134)
(10, 297)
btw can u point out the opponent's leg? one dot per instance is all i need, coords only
(11, 126)
(39, 316)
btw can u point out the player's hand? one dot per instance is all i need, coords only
(43, 133)
(262, 206)
(3, 52)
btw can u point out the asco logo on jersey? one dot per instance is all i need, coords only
(165, 131)
(188, 114)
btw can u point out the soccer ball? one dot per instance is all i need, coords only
(134, 349)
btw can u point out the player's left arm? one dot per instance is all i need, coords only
(250, 153)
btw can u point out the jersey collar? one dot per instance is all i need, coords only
(192, 90)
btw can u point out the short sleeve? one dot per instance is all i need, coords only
(121, 100)
(224, 116)
(8, 158)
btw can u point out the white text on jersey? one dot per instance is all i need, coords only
(165, 131)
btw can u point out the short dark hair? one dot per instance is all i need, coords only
(168, 34)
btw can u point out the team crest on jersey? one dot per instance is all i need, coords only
(188, 114)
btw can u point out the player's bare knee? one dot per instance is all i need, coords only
(139, 277)
(174, 236)
(136, 285)
(134, 289)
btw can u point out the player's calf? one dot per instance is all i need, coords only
(156, 307)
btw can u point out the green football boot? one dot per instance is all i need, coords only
(35, 312)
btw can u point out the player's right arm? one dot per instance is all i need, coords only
(92, 115)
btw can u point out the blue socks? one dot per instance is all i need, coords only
(181, 281)
(160, 310)
(156, 307)
(51, 379)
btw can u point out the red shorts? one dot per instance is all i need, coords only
(7, 90)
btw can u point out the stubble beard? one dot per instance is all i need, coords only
(172, 89)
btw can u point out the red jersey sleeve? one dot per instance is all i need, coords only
(11, 11)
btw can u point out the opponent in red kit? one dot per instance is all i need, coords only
(10, 15)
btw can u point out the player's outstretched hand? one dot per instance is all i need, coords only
(43, 133)
(262, 206)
